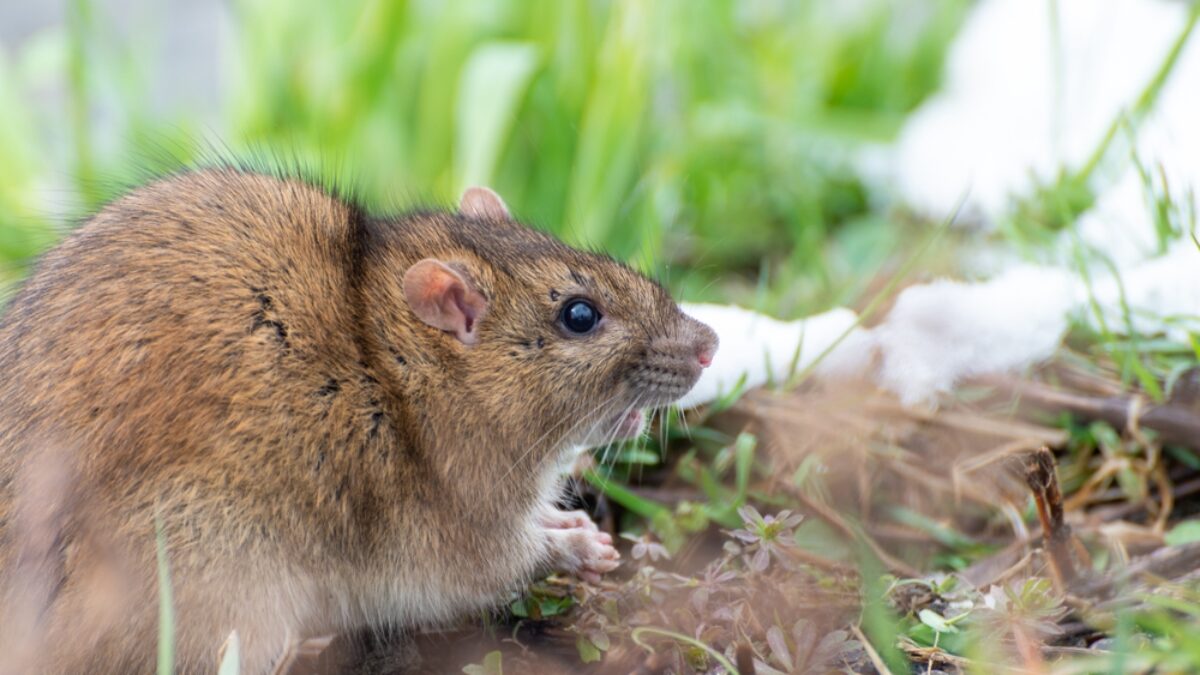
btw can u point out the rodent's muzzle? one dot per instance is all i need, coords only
(671, 364)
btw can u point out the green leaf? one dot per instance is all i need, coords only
(1185, 532)
(1185, 457)
(712, 488)
(588, 652)
(922, 634)
(925, 636)
(1147, 379)
(879, 622)
(692, 517)
(935, 621)
(646, 508)
(1105, 435)
(698, 435)
(519, 608)
(743, 451)
(636, 456)
(492, 665)
(668, 531)
(553, 606)
(1132, 484)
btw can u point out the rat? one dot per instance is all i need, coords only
(321, 419)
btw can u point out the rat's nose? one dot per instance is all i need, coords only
(706, 343)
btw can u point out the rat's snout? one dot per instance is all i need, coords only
(673, 362)
(695, 344)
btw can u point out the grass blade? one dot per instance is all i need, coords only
(166, 605)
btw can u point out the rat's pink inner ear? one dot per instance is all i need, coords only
(444, 299)
(482, 203)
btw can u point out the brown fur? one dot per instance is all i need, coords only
(233, 354)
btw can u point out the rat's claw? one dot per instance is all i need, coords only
(583, 551)
(601, 556)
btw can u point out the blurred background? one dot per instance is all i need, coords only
(789, 156)
(726, 146)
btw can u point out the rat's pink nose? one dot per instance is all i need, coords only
(703, 340)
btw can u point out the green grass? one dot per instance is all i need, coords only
(166, 604)
(709, 137)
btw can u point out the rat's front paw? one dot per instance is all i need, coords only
(556, 519)
(579, 547)
(587, 553)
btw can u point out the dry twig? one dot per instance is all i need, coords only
(1042, 479)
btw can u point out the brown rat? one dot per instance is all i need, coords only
(340, 421)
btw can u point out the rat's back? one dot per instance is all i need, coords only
(177, 301)
(173, 338)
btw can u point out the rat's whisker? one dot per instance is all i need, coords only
(666, 419)
(648, 434)
(616, 429)
(611, 436)
(684, 425)
(558, 426)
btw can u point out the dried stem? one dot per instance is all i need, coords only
(1043, 481)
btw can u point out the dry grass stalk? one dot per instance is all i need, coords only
(1043, 481)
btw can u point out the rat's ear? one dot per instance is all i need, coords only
(482, 203)
(443, 298)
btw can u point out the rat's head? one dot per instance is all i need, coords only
(574, 344)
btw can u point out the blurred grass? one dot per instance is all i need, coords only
(715, 137)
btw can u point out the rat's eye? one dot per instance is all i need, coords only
(579, 316)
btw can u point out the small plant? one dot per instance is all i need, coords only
(766, 537)
(805, 649)
(541, 601)
(646, 548)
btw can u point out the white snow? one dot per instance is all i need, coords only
(939, 333)
(760, 347)
(1022, 99)
(935, 335)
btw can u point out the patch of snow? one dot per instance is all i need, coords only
(1162, 294)
(940, 333)
(1023, 98)
(763, 349)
